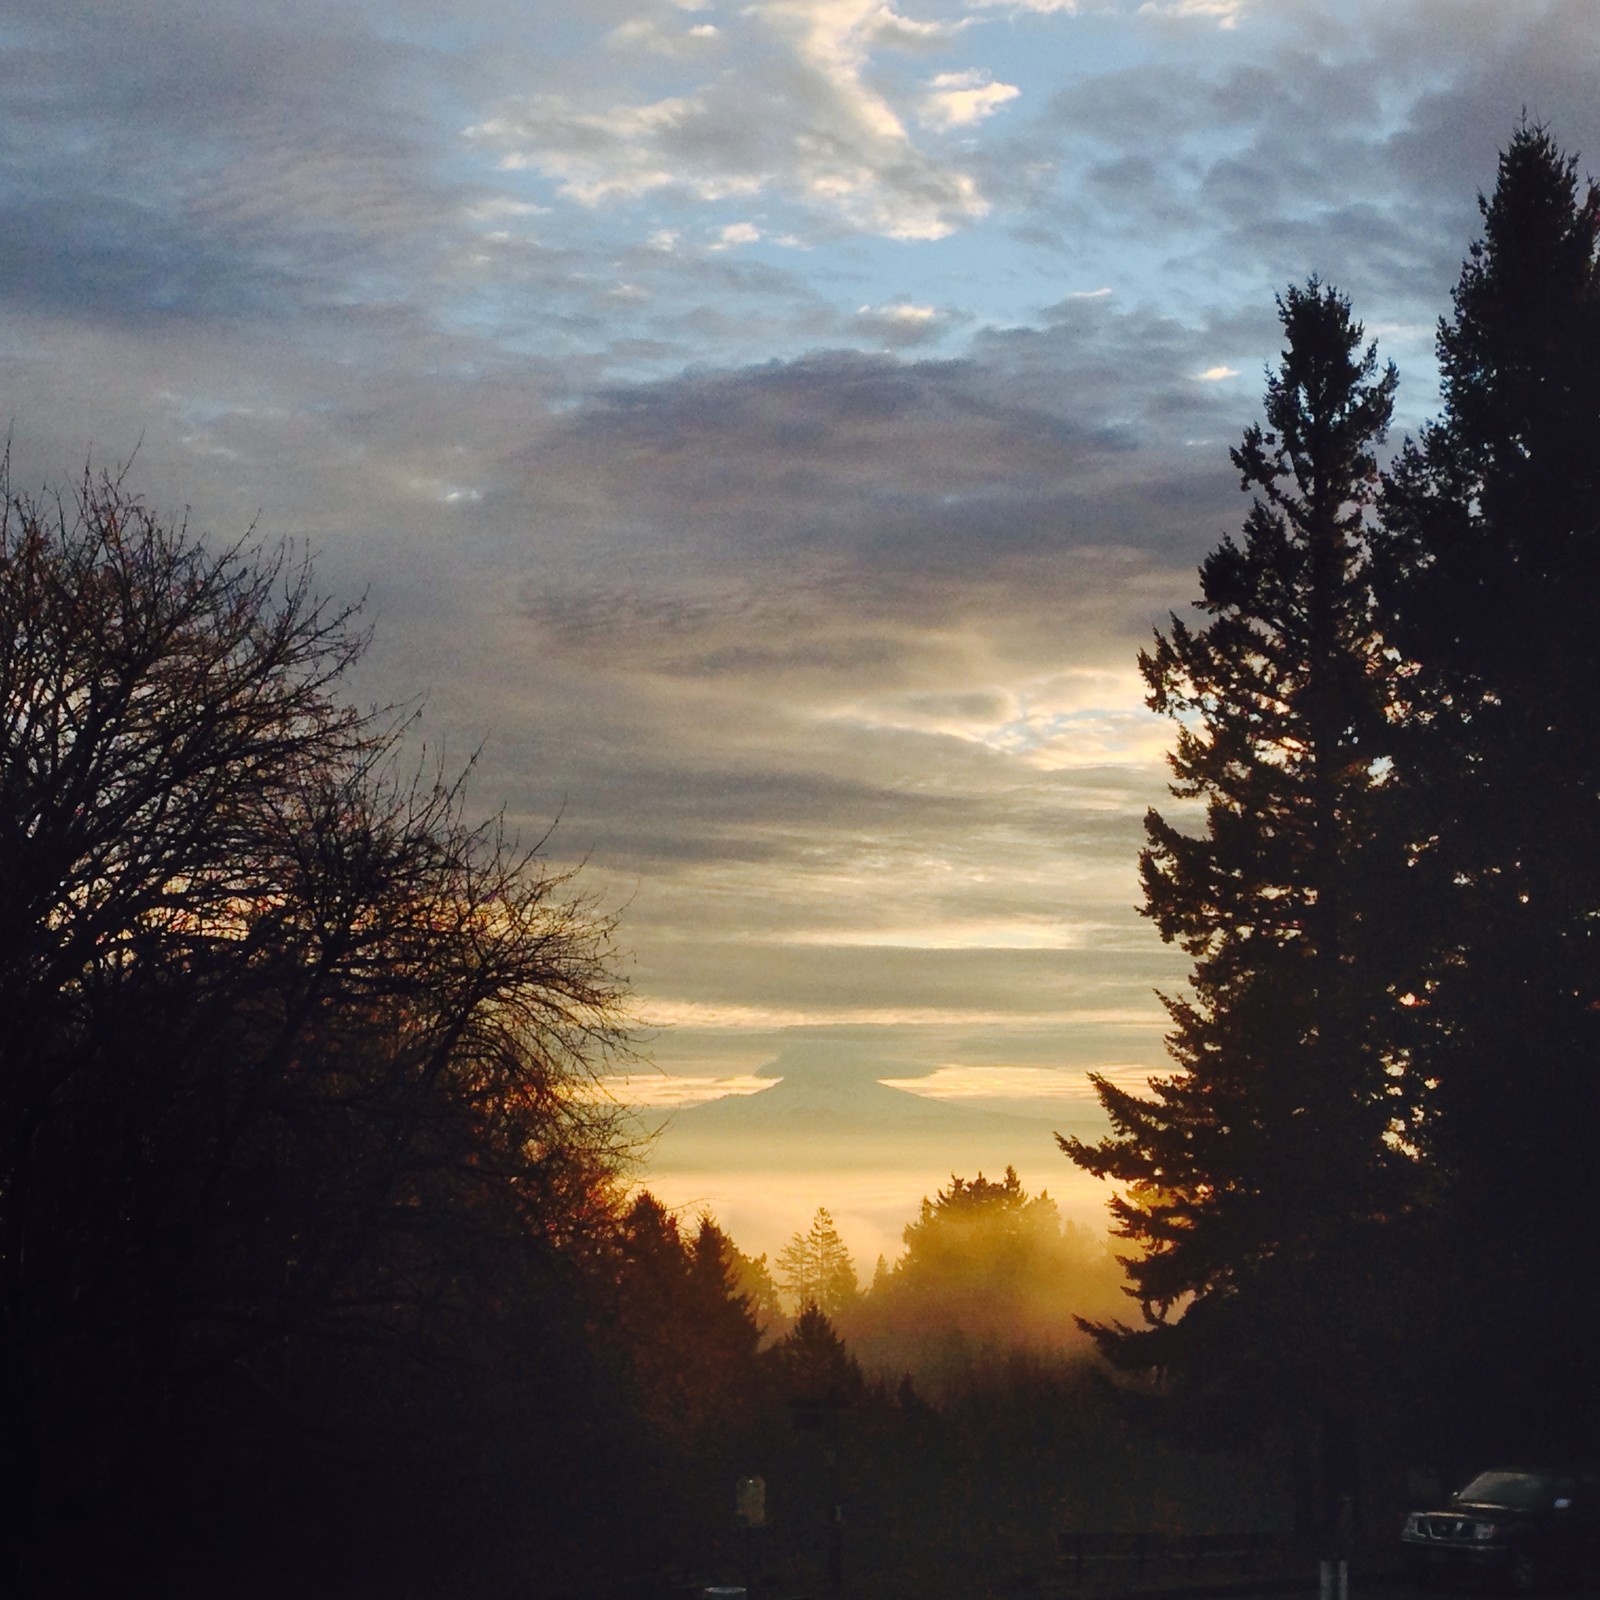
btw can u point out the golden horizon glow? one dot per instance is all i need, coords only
(735, 1017)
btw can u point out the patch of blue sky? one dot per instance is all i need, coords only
(627, 290)
(1045, 52)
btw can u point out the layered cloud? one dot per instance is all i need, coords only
(770, 430)
(798, 116)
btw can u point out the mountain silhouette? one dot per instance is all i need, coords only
(832, 1110)
(826, 1100)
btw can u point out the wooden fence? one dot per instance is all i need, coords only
(1138, 1558)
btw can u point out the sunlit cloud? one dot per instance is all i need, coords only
(656, 1012)
(901, 324)
(621, 153)
(1074, 719)
(1018, 933)
(1217, 374)
(968, 1083)
(953, 1082)
(963, 99)
(840, 35)
(916, 315)
(1038, 7)
(664, 1090)
(820, 133)
(1225, 13)
(649, 35)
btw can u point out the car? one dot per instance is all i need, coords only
(1523, 1527)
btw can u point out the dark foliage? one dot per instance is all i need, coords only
(1258, 1176)
(1490, 583)
(688, 1342)
(294, 1183)
(1361, 1196)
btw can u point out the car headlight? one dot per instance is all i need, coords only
(1485, 1530)
(1413, 1527)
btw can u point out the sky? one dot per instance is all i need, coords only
(764, 433)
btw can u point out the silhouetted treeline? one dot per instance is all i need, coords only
(930, 1448)
(317, 1270)
(298, 1203)
(1357, 1206)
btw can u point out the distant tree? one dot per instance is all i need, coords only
(690, 1340)
(1490, 585)
(880, 1276)
(815, 1268)
(289, 1051)
(752, 1280)
(730, 1322)
(813, 1364)
(1255, 1177)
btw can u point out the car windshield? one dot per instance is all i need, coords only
(1520, 1491)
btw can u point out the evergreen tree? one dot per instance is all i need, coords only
(749, 1277)
(1255, 1176)
(815, 1268)
(1489, 570)
(813, 1364)
(689, 1334)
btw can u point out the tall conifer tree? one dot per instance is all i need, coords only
(1251, 1178)
(1489, 573)
(815, 1268)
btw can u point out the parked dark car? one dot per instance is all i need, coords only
(1524, 1528)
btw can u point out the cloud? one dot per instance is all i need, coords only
(659, 1089)
(875, 627)
(901, 324)
(963, 99)
(1225, 13)
(1035, 7)
(962, 1082)
(1000, 933)
(647, 34)
(838, 36)
(813, 130)
(1347, 141)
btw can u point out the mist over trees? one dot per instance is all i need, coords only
(987, 1270)
(815, 1269)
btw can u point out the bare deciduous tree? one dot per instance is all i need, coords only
(290, 1050)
